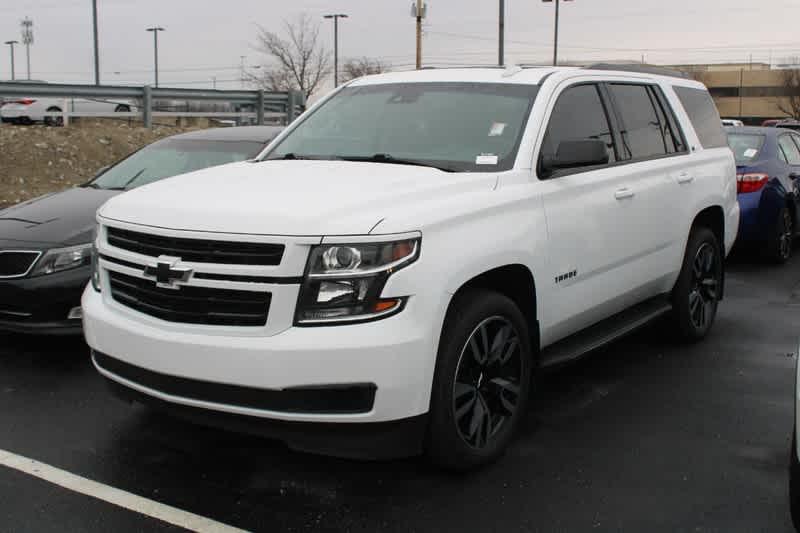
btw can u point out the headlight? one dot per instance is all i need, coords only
(343, 283)
(59, 259)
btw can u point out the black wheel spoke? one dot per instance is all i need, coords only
(487, 389)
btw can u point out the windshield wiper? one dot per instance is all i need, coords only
(291, 156)
(125, 185)
(387, 158)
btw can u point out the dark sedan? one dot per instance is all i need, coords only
(45, 243)
(768, 183)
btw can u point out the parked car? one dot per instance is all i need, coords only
(397, 267)
(787, 123)
(768, 185)
(732, 122)
(45, 243)
(29, 110)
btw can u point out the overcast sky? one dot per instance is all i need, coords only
(205, 39)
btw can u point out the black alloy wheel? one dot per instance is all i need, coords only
(784, 235)
(486, 391)
(705, 287)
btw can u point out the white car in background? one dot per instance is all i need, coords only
(732, 122)
(29, 110)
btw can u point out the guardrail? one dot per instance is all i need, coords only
(264, 104)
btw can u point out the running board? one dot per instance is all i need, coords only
(605, 331)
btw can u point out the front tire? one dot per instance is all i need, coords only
(482, 381)
(696, 294)
(54, 121)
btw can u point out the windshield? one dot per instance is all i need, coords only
(465, 127)
(171, 157)
(746, 146)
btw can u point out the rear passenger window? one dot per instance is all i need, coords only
(789, 149)
(642, 128)
(578, 114)
(704, 116)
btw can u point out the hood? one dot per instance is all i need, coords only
(67, 218)
(299, 197)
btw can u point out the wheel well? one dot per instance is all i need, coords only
(54, 108)
(714, 219)
(515, 282)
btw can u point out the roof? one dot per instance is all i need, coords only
(261, 134)
(755, 130)
(528, 75)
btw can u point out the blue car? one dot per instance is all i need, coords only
(768, 186)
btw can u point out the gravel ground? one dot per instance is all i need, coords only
(35, 160)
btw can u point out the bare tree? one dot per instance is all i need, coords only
(356, 68)
(789, 103)
(300, 60)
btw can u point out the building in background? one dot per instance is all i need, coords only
(751, 92)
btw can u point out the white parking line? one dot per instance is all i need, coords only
(120, 498)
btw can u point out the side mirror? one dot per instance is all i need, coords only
(576, 154)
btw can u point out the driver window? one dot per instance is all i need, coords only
(578, 114)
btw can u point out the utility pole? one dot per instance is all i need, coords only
(336, 18)
(27, 40)
(501, 60)
(419, 10)
(555, 37)
(11, 44)
(96, 44)
(155, 30)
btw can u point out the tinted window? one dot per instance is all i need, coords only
(704, 116)
(171, 157)
(474, 127)
(642, 130)
(578, 114)
(789, 150)
(746, 146)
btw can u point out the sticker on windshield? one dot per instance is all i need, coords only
(486, 159)
(750, 153)
(497, 129)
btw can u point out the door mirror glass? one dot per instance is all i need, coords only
(578, 153)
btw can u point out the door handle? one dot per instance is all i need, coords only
(685, 177)
(622, 194)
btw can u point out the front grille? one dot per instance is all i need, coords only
(197, 250)
(191, 305)
(15, 264)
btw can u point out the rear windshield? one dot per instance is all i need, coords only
(746, 146)
(703, 113)
(461, 127)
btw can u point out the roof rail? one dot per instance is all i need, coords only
(643, 69)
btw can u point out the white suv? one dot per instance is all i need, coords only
(391, 274)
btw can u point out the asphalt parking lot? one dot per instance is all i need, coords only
(644, 435)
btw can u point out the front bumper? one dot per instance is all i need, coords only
(395, 355)
(42, 304)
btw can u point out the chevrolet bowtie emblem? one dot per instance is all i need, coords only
(167, 272)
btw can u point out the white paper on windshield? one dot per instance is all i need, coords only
(486, 159)
(750, 152)
(497, 129)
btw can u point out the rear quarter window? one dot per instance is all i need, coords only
(704, 116)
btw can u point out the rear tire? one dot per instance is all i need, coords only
(481, 383)
(56, 122)
(695, 296)
(779, 246)
(794, 482)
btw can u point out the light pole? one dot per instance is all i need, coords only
(555, 37)
(501, 34)
(155, 30)
(27, 40)
(96, 44)
(419, 11)
(336, 18)
(11, 44)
